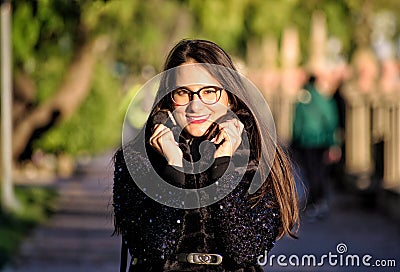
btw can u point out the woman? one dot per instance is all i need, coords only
(199, 116)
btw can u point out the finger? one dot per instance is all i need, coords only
(231, 129)
(234, 133)
(241, 127)
(222, 135)
(154, 139)
(164, 136)
(158, 130)
(234, 124)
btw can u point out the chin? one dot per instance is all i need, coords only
(197, 130)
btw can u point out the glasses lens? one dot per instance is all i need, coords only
(181, 96)
(210, 95)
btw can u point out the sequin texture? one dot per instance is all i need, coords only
(233, 227)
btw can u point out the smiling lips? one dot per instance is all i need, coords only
(197, 119)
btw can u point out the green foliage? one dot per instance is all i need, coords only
(269, 18)
(48, 76)
(227, 15)
(26, 29)
(135, 116)
(140, 33)
(97, 124)
(37, 205)
(144, 32)
(41, 29)
(338, 17)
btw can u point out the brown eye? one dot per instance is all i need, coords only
(208, 91)
(181, 92)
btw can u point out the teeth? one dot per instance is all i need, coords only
(197, 117)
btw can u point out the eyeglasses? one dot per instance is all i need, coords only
(208, 95)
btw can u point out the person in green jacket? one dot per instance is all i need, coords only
(314, 140)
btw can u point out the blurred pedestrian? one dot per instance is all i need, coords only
(314, 131)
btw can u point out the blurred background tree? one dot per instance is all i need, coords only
(75, 61)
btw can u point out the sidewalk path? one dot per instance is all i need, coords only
(360, 231)
(78, 236)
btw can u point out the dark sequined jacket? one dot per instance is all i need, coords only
(154, 233)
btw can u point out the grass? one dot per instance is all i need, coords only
(37, 205)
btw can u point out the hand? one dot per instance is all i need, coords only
(333, 155)
(230, 137)
(163, 141)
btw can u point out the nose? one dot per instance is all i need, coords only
(195, 104)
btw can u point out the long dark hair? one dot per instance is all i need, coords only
(280, 169)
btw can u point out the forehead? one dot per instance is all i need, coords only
(193, 74)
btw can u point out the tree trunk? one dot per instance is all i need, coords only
(73, 90)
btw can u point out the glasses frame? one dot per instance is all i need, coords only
(192, 93)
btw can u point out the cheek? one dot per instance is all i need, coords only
(218, 111)
(222, 111)
(221, 107)
(180, 115)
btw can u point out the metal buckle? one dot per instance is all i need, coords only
(204, 258)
